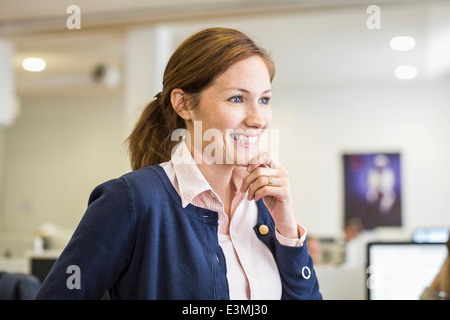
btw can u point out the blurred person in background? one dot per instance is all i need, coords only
(440, 287)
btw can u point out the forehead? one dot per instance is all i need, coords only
(250, 74)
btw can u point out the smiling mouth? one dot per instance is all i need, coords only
(244, 139)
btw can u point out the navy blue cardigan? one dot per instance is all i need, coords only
(138, 242)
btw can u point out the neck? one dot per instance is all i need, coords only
(219, 178)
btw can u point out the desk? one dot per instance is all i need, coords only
(14, 265)
(341, 282)
(33, 262)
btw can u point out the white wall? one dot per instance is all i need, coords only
(59, 149)
(2, 170)
(7, 83)
(317, 127)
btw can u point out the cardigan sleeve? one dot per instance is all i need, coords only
(99, 249)
(298, 278)
(297, 273)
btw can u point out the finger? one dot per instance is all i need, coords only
(251, 178)
(278, 193)
(264, 159)
(262, 171)
(261, 182)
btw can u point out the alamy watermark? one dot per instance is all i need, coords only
(74, 20)
(74, 280)
(373, 278)
(234, 146)
(373, 22)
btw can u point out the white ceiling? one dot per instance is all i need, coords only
(38, 28)
(16, 11)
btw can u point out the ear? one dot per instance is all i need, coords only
(178, 99)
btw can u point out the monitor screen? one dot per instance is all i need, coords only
(401, 271)
(40, 267)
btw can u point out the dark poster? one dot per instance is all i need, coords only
(372, 190)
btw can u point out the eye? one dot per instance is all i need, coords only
(236, 99)
(264, 100)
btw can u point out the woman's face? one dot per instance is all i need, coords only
(233, 112)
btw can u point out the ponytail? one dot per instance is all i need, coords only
(150, 141)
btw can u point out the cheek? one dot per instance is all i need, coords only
(225, 121)
(269, 117)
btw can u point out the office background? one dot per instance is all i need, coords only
(335, 92)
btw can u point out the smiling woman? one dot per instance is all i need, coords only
(198, 61)
(192, 229)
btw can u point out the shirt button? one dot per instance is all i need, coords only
(263, 229)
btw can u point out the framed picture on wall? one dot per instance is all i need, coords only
(372, 188)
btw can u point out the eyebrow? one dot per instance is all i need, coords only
(245, 90)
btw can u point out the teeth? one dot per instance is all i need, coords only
(244, 139)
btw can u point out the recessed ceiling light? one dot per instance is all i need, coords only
(34, 64)
(402, 43)
(406, 72)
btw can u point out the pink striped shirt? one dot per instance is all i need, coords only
(252, 272)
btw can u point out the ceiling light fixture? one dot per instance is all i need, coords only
(34, 64)
(406, 72)
(402, 43)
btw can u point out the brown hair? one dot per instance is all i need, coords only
(194, 65)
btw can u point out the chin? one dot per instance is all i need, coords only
(243, 157)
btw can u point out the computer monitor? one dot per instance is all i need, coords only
(401, 271)
(41, 262)
(40, 267)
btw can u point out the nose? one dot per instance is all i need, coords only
(258, 116)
